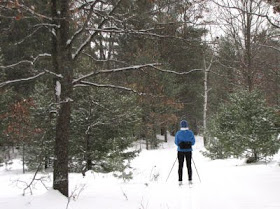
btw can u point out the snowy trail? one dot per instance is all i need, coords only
(175, 196)
(186, 198)
(226, 184)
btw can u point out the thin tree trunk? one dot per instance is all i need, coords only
(248, 48)
(88, 155)
(147, 142)
(205, 104)
(206, 90)
(23, 157)
(165, 134)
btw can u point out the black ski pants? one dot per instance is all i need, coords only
(181, 157)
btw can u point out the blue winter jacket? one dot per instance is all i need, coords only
(184, 135)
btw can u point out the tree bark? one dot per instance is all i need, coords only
(62, 62)
(206, 90)
(165, 134)
(88, 155)
(23, 158)
(205, 104)
(60, 178)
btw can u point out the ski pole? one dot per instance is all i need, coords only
(171, 169)
(196, 170)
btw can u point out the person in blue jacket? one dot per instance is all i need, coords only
(184, 139)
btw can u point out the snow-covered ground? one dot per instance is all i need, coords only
(225, 184)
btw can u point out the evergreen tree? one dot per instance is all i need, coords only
(184, 56)
(103, 125)
(40, 150)
(157, 105)
(23, 37)
(245, 126)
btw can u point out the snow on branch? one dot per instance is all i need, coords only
(21, 80)
(143, 32)
(93, 125)
(54, 74)
(135, 67)
(90, 37)
(31, 62)
(78, 32)
(105, 60)
(28, 36)
(16, 64)
(175, 72)
(130, 68)
(37, 28)
(85, 4)
(86, 83)
(29, 78)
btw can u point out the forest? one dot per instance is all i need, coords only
(83, 81)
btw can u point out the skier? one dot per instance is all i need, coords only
(184, 139)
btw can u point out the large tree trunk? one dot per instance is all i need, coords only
(60, 177)
(63, 65)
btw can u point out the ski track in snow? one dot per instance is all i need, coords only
(226, 184)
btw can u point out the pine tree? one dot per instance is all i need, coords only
(40, 152)
(103, 125)
(245, 126)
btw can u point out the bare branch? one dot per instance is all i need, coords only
(54, 74)
(135, 67)
(33, 179)
(272, 47)
(21, 80)
(80, 81)
(28, 36)
(122, 88)
(29, 78)
(31, 62)
(84, 5)
(18, 5)
(248, 12)
(146, 32)
(75, 194)
(90, 38)
(94, 125)
(28, 186)
(106, 60)
(38, 27)
(86, 83)
(78, 32)
(16, 64)
(175, 72)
